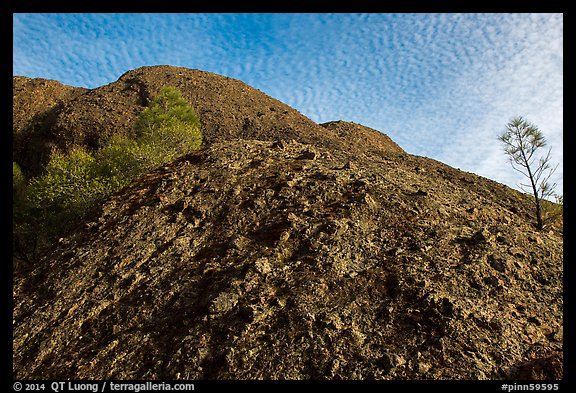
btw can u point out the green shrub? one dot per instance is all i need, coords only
(122, 159)
(169, 125)
(18, 181)
(72, 184)
(17, 176)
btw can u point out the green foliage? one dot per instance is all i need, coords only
(169, 125)
(74, 183)
(71, 182)
(18, 180)
(17, 176)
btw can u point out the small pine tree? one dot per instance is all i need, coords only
(521, 141)
(170, 124)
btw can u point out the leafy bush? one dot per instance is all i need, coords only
(72, 184)
(169, 125)
(18, 181)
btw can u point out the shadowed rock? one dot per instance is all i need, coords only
(283, 250)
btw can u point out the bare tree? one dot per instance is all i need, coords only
(522, 140)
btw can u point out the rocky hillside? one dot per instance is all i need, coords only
(36, 103)
(282, 250)
(49, 115)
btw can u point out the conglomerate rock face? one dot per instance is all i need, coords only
(49, 116)
(260, 259)
(275, 257)
(36, 103)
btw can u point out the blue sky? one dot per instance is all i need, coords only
(440, 85)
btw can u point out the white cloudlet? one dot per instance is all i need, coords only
(441, 85)
(519, 75)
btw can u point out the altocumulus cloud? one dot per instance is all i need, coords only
(441, 85)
